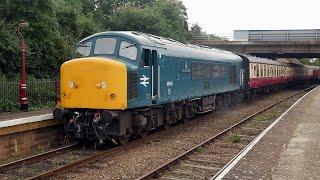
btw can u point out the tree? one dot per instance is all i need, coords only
(163, 18)
(196, 29)
(55, 26)
(9, 58)
(306, 61)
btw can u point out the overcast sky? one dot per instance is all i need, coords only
(223, 16)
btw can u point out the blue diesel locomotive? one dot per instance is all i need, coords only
(121, 84)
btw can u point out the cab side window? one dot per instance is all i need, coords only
(146, 58)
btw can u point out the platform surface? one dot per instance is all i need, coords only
(290, 150)
(10, 116)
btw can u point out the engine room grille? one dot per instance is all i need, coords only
(132, 85)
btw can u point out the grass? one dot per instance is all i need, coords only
(235, 139)
(199, 149)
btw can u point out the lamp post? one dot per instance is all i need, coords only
(23, 100)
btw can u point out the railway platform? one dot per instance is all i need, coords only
(23, 121)
(10, 116)
(289, 150)
(28, 133)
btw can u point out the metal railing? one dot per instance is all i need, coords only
(278, 35)
(211, 37)
(39, 92)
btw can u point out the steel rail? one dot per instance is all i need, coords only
(37, 157)
(73, 165)
(153, 173)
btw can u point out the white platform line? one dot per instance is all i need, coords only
(32, 119)
(256, 140)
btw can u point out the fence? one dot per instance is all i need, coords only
(41, 93)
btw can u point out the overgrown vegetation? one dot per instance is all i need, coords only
(56, 25)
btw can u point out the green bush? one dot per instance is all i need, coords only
(7, 106)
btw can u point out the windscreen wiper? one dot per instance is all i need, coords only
(83, 45)
(129, 46)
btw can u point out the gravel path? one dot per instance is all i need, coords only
(159, 147)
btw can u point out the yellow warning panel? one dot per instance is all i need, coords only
(94, 83)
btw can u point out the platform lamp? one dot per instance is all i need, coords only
(23, 99)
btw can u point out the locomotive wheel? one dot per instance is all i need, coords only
(165, 126)
(227, 101)
(143, 133)
(123, 139)
(190, 111)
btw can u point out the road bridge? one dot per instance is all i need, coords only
(268, 49)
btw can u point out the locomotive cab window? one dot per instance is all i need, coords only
(105, 46)
(83, 50)
(146, 58)
(128, 50)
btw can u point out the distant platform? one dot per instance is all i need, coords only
(290, 150)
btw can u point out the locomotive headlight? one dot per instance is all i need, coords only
(73, 85)
(102, 85)
(113, 96)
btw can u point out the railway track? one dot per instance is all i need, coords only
(209, 158)
(196, 162)
(29, 167)
(37, 157)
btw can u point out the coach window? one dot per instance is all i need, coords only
(105, 46)
(128, 50)
(146, 57)
(267, 71)
(261, 70)
(256, 67)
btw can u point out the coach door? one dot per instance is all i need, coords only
(155, 76)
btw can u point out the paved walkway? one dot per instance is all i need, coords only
(291, 150)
